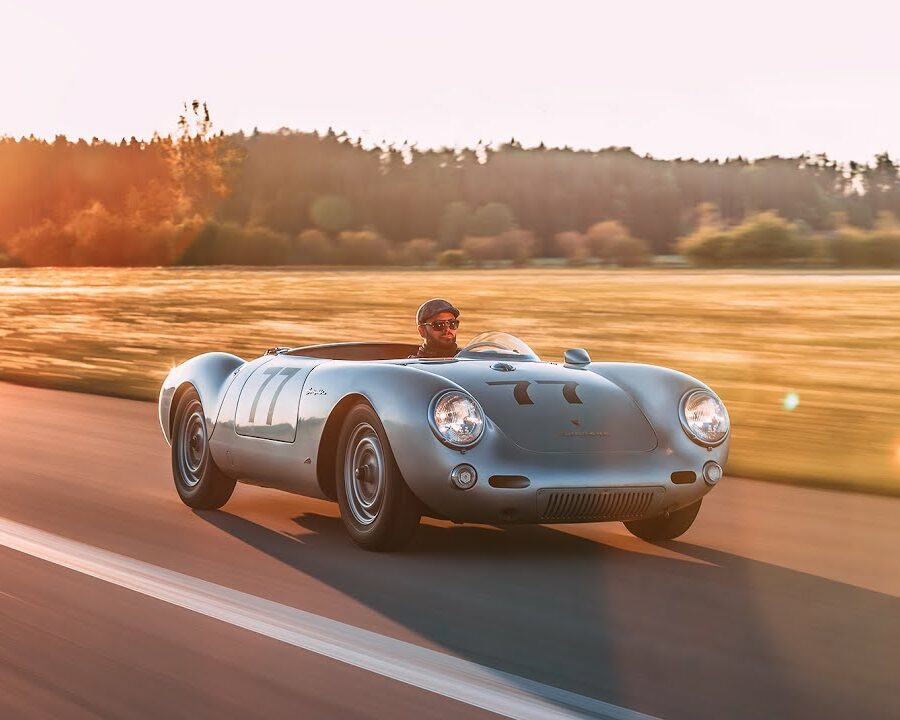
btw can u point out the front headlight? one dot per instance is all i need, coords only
(704, 418)
(456, 418)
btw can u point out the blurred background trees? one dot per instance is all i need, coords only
(304, 198)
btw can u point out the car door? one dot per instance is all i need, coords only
(269, 403)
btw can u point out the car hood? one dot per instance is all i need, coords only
(544, 407)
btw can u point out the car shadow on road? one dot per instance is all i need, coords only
(675, 630)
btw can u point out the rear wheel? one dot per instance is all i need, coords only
(665, 527)
(379, 511)
(198, 480)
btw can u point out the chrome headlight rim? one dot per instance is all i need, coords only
(432, 423)
(685, 425)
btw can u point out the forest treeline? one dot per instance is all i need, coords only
(302, 198)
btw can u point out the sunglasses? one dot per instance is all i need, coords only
(439, 325)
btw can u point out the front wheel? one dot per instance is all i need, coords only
(665, 527)
(378, 510)
(198, 480)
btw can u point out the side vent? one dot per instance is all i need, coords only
(684, 477)
(509, 481)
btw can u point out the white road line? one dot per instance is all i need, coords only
(493, 690)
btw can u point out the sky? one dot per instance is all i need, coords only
(672, 79)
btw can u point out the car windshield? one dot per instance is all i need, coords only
(497, 344)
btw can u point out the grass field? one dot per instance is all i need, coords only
(829, 342)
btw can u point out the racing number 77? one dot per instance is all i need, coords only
(272, 372)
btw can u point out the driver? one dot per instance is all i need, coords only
(437, 322)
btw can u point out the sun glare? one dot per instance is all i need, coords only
(791, 401)
(575, 91)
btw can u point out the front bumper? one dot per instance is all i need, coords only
(562, 487)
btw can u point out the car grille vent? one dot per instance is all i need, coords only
(594, 504)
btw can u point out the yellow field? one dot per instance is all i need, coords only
(831, 340)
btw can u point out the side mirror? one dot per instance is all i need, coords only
(577, 357)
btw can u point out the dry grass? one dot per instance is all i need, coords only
(832, 339)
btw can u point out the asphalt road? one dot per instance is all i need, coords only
(779, 602)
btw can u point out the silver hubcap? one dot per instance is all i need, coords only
(364, 474)
(192, 445)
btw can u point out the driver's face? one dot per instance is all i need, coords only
(446, 336)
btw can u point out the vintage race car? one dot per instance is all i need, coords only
(493, 435)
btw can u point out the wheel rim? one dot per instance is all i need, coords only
(364, 474)
(193, 445)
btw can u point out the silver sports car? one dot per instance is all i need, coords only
(492, 435)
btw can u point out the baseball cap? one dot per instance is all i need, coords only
(430, 308)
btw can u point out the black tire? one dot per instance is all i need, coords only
(379, 511)
(663, 527)
(198, 480)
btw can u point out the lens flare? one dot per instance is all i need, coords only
(791, 401)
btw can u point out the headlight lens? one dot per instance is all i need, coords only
(457, 419)
(704, 417)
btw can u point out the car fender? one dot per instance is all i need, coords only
(209, 374)
(658, 391)
(399, 394)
